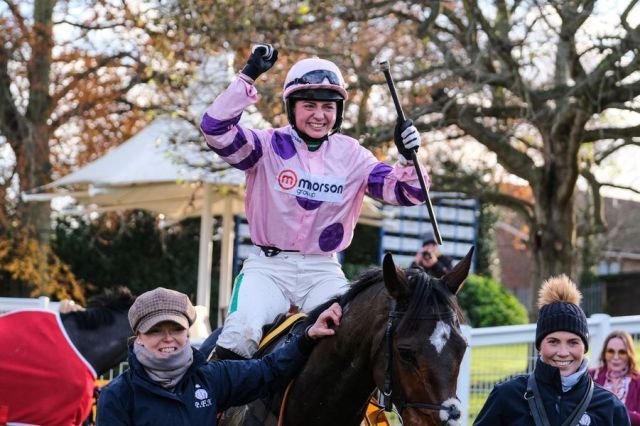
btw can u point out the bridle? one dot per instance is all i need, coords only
(452, 410)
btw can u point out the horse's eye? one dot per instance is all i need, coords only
(406, 355)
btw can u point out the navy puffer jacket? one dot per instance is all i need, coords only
(506, 404)
(206, 389)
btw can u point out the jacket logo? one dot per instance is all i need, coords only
(202, 398)
(309, 186)
(287, 179)
(585, 420)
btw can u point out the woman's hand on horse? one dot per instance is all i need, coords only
(326, 322)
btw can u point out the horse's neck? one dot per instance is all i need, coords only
(339, 372)
(103, 347)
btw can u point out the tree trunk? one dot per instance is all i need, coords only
(552, 241)
(34, 168)
(32, 153)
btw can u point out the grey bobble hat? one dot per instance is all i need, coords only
(560, 310)
(158, 305)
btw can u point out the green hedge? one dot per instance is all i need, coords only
(486, 303)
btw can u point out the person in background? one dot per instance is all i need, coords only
(560, 381)
(618, 372)
(430, 259)
(305, 185)
(171, 383)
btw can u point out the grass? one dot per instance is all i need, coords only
(490, 365)
(494, 363)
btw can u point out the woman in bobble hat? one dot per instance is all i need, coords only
(170, 383)
(559, 391)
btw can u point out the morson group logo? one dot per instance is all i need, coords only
(287, 179)
(312, 187)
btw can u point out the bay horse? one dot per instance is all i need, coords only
(399, 333)
(49, 361)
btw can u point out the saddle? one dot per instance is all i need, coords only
(282, 325)
(263, 411)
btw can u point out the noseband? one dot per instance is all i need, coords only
(452, 411)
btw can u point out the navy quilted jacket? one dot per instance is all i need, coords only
(506, 404)
(206, 389)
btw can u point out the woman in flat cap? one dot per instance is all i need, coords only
(171, 383)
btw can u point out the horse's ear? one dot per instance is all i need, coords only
(458, 274)
(396, 286)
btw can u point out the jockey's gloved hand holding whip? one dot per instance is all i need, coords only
(262, 58)
(407, 139)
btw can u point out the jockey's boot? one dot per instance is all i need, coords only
(219, 353)
(234, 416)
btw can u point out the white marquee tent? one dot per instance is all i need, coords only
(144, 172)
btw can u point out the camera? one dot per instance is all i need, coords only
(427, 255)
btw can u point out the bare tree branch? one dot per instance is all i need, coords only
(610, 133)
(625, 187)
(522, 207)
(601, 156)
(599, 221)
(19, 19)
(624, 18)
(12, 122)
(100, 63)
(87, 27)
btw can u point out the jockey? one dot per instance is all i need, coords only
(305, 187)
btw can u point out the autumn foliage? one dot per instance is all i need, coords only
(28, 270)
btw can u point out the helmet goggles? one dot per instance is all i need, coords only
(316, 77)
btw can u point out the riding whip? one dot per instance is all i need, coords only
(384, 67)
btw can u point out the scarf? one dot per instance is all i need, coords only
(569, 381)
(166, 370)
(617, 382)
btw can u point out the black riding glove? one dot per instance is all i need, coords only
(261, 60)
(406, 140)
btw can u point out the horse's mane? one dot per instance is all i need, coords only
(426, 295)
(100, 308)
(366, 280)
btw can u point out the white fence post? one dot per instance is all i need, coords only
(45, 302)
(464, 377)
(599, 328)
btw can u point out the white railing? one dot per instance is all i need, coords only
(501, 340)
(14, 303)
(473, 384)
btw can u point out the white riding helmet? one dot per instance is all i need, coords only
(316, 79)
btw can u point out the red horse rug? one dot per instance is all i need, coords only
(44, 380)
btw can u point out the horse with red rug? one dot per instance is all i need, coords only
(49, 361)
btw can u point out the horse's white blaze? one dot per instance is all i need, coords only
(440, 335)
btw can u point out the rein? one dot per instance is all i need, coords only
(452, 410)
